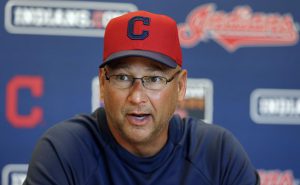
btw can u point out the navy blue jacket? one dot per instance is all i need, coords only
(82, 151)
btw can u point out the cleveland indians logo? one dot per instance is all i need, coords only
(130, 31)
(239, 28)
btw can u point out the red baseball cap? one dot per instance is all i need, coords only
(143, 34)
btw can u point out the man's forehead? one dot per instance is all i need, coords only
(130, 62)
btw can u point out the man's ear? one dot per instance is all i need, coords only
(101, 82)
(182, 83)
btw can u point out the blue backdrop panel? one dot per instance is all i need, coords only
(242, 58)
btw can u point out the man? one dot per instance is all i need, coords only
(136, 139)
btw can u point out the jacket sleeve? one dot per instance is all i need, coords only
(218, 155)
(236, 167)
(46, 166)
(67, 154)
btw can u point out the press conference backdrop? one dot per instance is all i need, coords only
(242, 57)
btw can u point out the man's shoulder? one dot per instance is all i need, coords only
(80, 131)
(204, 142)
(69, 147)
(197, 130)
(213, 150)
(201, 140)
(210, 139)
(80, 124)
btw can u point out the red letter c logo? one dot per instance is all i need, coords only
(35, 84)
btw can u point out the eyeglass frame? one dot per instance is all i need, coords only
(133, 79)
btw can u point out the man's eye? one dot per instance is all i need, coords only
(155, 79)
(122, 77)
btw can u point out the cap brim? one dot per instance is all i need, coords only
(158, 57)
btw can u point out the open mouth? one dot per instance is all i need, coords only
(139, 116)
(138, 119)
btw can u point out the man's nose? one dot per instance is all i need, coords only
(137, 93)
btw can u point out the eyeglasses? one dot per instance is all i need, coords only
(123, 81)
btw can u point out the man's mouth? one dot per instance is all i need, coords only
(138, 119)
